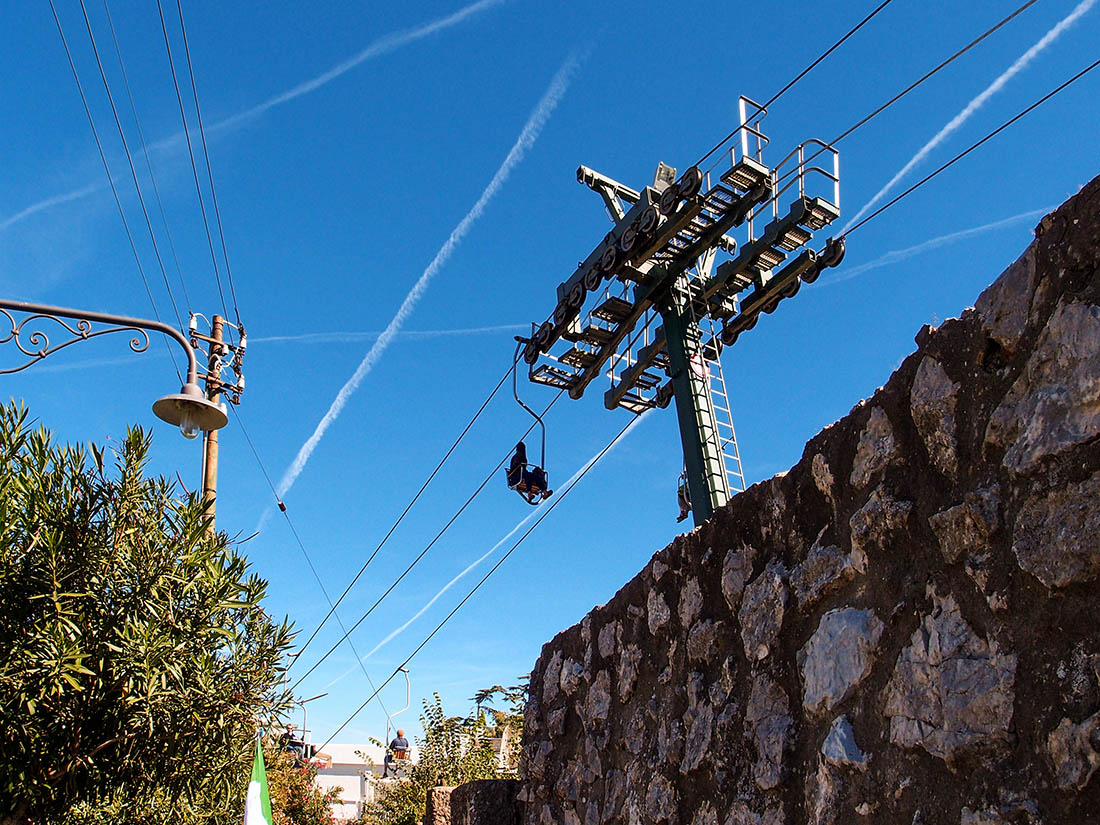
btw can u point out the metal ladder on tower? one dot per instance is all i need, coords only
(721, 413)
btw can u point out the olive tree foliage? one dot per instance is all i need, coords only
(135, 656)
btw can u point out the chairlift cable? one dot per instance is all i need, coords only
(973, 146)
(302, 547)
(944, 64)
(404, 512)
(111, 182)
(485, 578)
(423, 552)
(801, 74)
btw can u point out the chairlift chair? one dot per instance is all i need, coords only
(528, 480)
(683, 496)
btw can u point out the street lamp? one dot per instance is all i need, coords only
(189, 409)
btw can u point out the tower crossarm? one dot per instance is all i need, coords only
(644, 296)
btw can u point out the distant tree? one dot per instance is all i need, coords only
(484, 697)
(135, 656)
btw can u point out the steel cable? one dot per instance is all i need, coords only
(973, 146)
(485, 578)
(801, 75)
(404, 512)
(429, 546)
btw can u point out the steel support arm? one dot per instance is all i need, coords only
(83, 330)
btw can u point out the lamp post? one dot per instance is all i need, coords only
(189, 409)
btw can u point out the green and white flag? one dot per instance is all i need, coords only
(257, 805)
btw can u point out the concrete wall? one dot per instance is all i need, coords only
(901, 629)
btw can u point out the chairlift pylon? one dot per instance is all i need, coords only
(528, 480)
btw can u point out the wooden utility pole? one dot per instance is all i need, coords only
(213, 393)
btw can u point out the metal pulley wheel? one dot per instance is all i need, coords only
(791, 289)
(834, 251)
(576, 296)
(629, 237)
(729, 336)
(648, 220)
(608, 259)
(592, 279)
(542, 337)
(690, 182)
(530, 353)
(811, 274)
(771, 305)
(670, 199)
(561, 313)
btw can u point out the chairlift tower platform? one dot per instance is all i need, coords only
(664, 308)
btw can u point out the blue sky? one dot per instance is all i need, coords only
(355, 144)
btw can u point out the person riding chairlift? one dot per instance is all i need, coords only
(530, 482)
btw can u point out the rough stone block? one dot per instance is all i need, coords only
(1075, 751)
(1055, 403)
(873, 524)
(768, 720)
(438, 809)
(736, 571)
(1055, 537)
(487, 802)
(932, 401)
(951, 691)
(877, 448)
(840, 748)
(824, 570)
(838, 656)
(761, 613)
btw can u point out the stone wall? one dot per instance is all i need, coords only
(486, 802)
(903, 628)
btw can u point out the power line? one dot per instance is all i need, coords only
(305, 553)
(111, 181)
(424, 552)
(801, 74)
(942, 65)
(191, 154)
(130, 161)
(974, 146)
(562, 494)
(209, 170)
(148, 160)
(405, 512)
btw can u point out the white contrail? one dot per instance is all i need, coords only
(496, 547)
(48, 203)
(975, 104)
(897, 255)
(351, 337)
(382, 46)
(526, 139)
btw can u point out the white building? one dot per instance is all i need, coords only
(346, 768)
